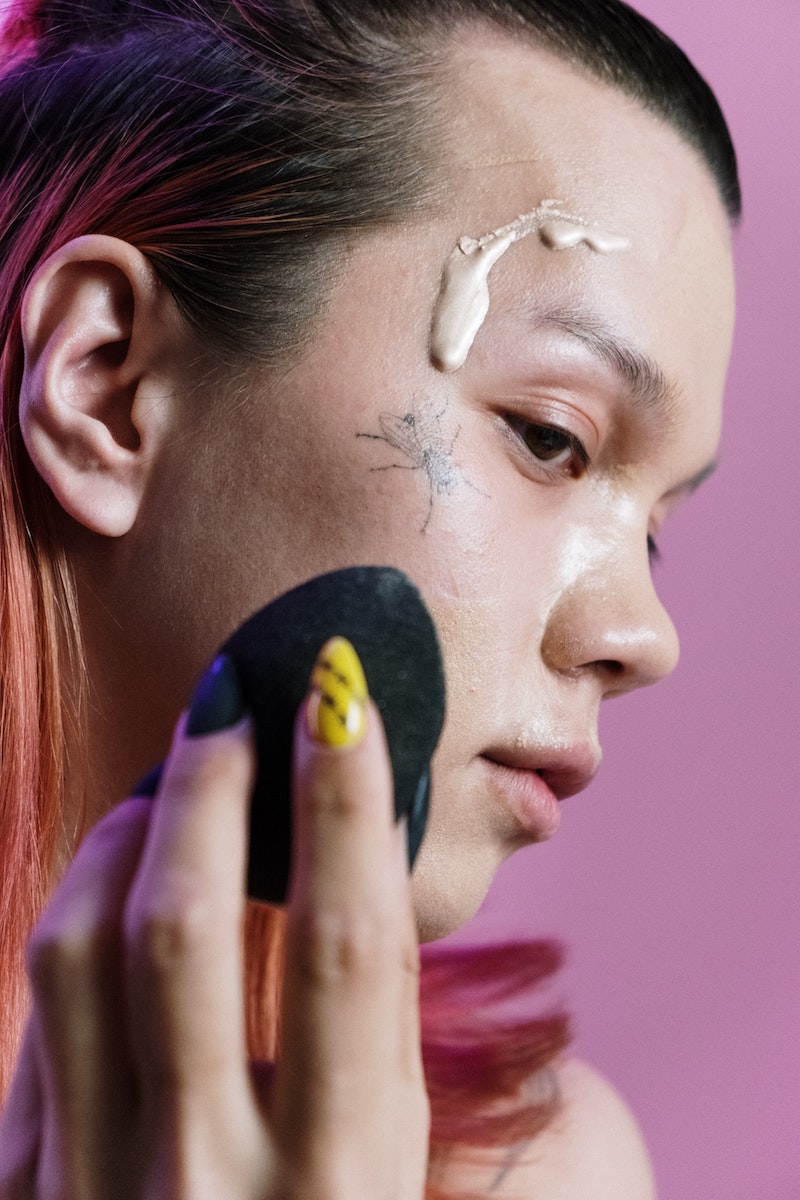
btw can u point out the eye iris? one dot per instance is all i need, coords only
(546, 442)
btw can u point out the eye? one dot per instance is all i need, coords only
(557, 449)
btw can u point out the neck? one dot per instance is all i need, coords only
(132, 703)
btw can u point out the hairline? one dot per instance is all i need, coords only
(536, 38)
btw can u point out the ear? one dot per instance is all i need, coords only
(101, 338)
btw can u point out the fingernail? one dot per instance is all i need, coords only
(337, 704)
(217, 701)
(418, 817)
(148, 784)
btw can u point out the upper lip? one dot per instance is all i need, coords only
(565, 770)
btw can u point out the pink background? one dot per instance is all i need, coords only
(674, 881)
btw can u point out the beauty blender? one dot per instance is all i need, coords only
(380, 611)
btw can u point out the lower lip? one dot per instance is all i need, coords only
(527, 797)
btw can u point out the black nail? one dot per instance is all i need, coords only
(148, 784)
(217, 701)
(418, 817)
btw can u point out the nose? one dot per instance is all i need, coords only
(611, 622)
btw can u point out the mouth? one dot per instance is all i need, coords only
(532, 782)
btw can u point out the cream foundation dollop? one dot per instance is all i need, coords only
(463, 300)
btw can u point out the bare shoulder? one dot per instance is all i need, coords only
(592, 1151)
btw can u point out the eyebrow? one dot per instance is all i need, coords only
(646, 384)
(643, 380)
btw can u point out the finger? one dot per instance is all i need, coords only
(184, 929)
(75, 968)
(20, 1125)
(352, 959)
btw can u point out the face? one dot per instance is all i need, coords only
(522, 490)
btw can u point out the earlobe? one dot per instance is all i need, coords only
(95, 336)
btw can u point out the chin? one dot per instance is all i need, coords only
(446, 898)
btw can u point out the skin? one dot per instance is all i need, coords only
(203, 502)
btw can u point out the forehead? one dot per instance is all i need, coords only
(512, 104)
(524, 127)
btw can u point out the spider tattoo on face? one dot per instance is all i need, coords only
(417, 435)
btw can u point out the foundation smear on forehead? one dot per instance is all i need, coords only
(463, 300)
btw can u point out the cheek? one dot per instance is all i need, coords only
(503, 574)
(535, 545)
(376, 482)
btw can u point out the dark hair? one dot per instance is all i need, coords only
(235, 144)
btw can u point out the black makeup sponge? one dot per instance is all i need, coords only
(380, 611)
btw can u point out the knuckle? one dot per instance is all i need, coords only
(49, 958)
(331, 799)
(410, 958)
(59, 956)
(177, 923)
(118, 825)
(333, 946)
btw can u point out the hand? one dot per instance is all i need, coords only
(134, 1083)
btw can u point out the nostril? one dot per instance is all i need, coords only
(610, 666)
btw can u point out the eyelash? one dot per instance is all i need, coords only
(523, 428)
(578, 462)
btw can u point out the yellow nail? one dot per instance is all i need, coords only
(337, 705)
